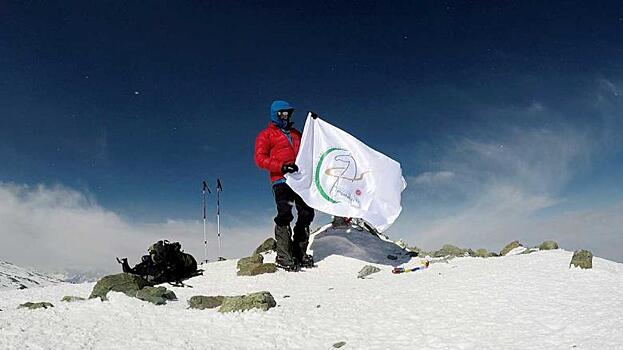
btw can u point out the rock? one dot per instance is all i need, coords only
(415, 251)
(548, 245)
(205, 302)
(257, 269)
(268, 245)
(529, 251)
(401, 244)
(33, 306)
(582, 259)
(71, 298)
(512, 245)
(123, 282)
(367, 270)
(259, 300)
(450, 250)
(156, 295)
(392, 257)
(483, 253)
(339, 344)
(243, 263)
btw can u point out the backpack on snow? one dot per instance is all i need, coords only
(166, 262)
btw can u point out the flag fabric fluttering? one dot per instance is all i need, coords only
(342, 176)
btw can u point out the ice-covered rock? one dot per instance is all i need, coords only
(507, 248)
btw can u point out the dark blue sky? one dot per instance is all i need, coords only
(136, 102)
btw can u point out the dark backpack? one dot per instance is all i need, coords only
(166, 262)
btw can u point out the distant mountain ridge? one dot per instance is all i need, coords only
(15, 277)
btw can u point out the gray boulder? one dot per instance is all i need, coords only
(201, 302)
(254, 265)
(529, 251)
(71, 298)
(548, 245)
(244, 263)
(402, 244)
(259, 300)
(367, 271)
(123, 282)
(418, 251)
(257, 269)
(33, 306)
(450, 250)
(582, 259)
(512, 245)
(268, 245)
(155, 295)
(483, 253)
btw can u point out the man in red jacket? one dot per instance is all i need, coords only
(276, 148)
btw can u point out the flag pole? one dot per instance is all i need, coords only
(205, 236)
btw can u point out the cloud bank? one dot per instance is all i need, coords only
(58, 228)
(513, 175)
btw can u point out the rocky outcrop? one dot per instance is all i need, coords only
(512, 245)
(450, 250)
(582, 259)
(260, 300)
(548, 245)
(125, 283)
(254, 265)
(483, 253)
(367, 271)
(33, 306)
(266, 246)
(201, 302)
(156, 295)
(71, 299)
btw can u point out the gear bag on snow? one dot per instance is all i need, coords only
(166, 262)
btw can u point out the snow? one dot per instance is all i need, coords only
(15, 277)
(532, 301)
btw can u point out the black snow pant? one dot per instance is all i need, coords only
(296, 246)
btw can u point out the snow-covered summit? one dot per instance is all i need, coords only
(525, 301)
(15, 277)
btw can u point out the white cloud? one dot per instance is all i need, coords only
(431, 177)
(58, 228)
(509, 181)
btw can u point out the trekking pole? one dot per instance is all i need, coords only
(219, 188)
(205, 237)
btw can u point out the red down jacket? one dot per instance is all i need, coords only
(273, 149)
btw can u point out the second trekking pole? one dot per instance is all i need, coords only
(219, 188)
(205, 236)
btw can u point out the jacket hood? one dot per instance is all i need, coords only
(277, 106)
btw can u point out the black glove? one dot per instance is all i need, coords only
(289, 168)
(313, 114)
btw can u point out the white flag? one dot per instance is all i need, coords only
(341, 176)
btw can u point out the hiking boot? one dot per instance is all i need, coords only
(307, 261)
(287, 264)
